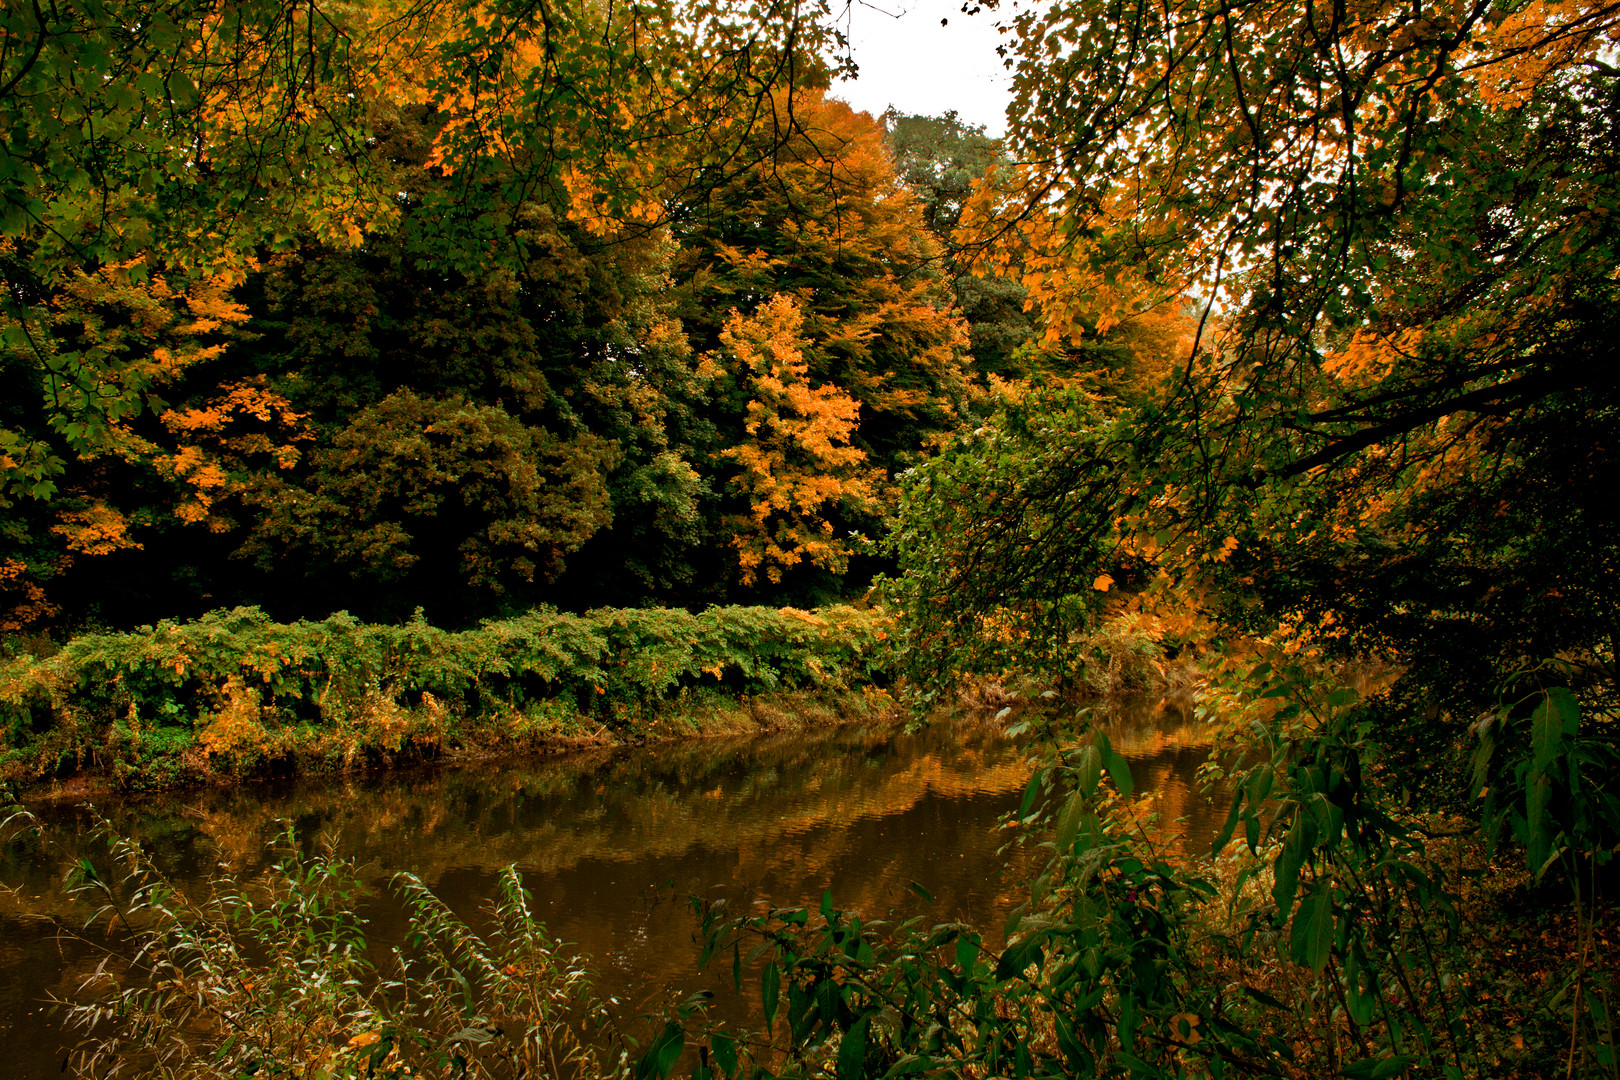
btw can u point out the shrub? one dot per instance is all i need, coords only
(238, 692)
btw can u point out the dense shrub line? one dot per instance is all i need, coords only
(236, 692)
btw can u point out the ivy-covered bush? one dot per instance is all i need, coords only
(238, 692)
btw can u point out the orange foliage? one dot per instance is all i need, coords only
(238, 726)
(95, 530)
(1076, 281)
(1115, 212)
(825, 220)
(1370, 356)
(797, 463)
(624, 125)
(244, 422)
(22, 599)
(120, 340)
(122, 336)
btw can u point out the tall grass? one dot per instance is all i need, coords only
(274, 977)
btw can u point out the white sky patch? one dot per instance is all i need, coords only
(908, 60)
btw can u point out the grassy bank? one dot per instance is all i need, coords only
(234, 694)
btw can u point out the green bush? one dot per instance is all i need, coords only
(236, 691)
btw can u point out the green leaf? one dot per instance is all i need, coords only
(852, 1051)
(1018, 957)
(1071, 1047)
(1119, 770)
(1137, 1066)
(1378, 1068)
(661, 1056)
(1023, 1064)
(725, 1053)
(1069, 818)
(1258, 786)
(1311, 940)
(1264, 998)
(1556, 717)
(1088, 770)
(1225, 836)
(967, 953)
(770, 991)
(182, 89)
(1546, 736)
(1360, 987)
(1296, 846)
(1030, 791)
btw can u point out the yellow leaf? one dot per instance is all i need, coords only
(365, 1038)
(1103, 583)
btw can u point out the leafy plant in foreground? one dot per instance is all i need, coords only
(1341, 935)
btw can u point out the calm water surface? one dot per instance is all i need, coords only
(611, 843)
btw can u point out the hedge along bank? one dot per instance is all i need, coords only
(235, 693)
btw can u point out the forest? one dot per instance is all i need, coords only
(389, 376)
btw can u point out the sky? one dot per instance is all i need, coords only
(908, 60)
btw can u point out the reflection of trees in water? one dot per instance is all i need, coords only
(1165, 744)
(551, 814)
(781, 817)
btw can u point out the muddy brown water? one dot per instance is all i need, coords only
(610, 844)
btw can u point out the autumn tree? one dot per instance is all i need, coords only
(202, 131)
(1396, 220)
(444, 484)
(941, 158)
(798, 473)
(1111, 350)
(823, 219)
(1386, 440)
(147, 468)
(573, 347)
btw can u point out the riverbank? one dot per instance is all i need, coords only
(234, 695)
(701, 717)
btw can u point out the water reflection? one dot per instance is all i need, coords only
(1165, 746)
(611, 842)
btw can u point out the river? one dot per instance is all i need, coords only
(610, 843)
